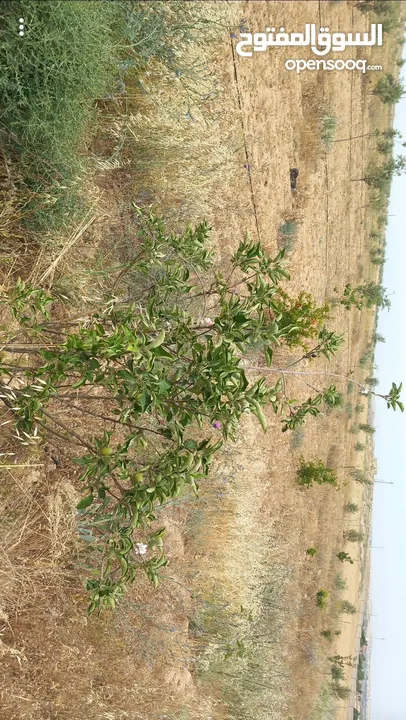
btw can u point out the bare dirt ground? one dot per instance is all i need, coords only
(252, 526)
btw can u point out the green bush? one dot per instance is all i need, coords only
(172, 381)
(287, 235)
(388, 89)
(341, 692)
(340, 582)
(353, 535)
(49, 81)
(321, 599)
(328, 129)
(315, 472)
(351, 507)
(367, 428)
(347, 608)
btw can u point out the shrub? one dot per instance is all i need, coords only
(327, 634)
(48, 106)
(371, 381)
(388, 89)
(328, 128)
(351, 507)
(298, 438)
(353, 535)
(367, 428)
(347, 608)
(340, 582)
(360, 477)
(321, 599)
(344, 557)
(315, 472)
(287, 235)
(337, 673)
(359, 447)
(172, 382)
(341, 692)
(311, 551)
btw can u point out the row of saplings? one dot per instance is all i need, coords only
(309, 474)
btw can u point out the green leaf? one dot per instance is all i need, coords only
(85, 502)
(268, 356)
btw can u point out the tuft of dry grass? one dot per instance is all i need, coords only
(37, 532)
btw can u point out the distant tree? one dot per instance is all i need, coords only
(368, 295)
(344, 557)
(315, 472)
(348, 608)
(337, 673)
(388, 12)
(388, 89)
(367, 428)
(353, 535)
(372, 381)
(379, 176)
(341, 692)
(379, 338)
(359, 447)
(343, 660)
(360, 476)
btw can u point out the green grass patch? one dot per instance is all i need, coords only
(49, 81)
(326, 707)
(328, 129)
(287, 235)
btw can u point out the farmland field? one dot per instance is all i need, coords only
(233, 630)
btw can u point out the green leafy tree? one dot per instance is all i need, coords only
(315, 472)
(388, 89)
(380, 175)
(144, 390)
(369, 295)
(388, 12)
(165, 384)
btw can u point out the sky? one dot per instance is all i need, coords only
(388, 568)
